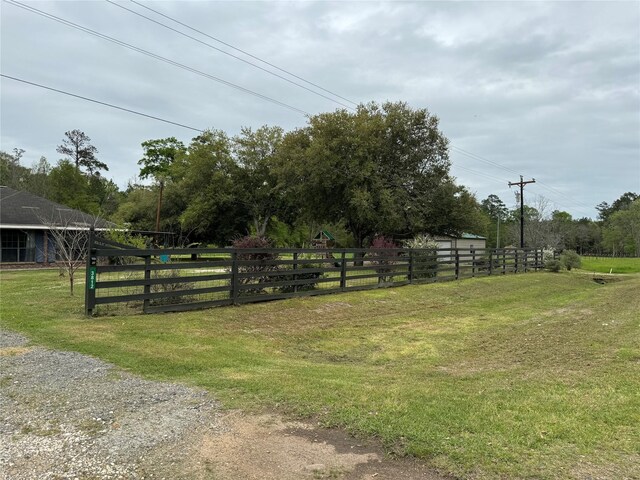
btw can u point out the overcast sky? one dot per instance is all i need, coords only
(549, 90)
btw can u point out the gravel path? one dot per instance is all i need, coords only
(64, 415)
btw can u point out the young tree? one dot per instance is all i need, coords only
(158, 157)
(70, 232)
(77, 147)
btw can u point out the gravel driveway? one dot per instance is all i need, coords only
(66, 415)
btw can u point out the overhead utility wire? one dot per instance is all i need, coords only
(110, 105)
(153, 55)
(229, 54)
(243, 51)
(499, 165)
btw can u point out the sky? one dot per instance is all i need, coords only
(547, 90)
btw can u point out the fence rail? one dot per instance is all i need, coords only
(164, 280)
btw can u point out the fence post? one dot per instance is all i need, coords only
(490, 262)
(90, 275)
(295, 267)
(411, 266)
(147, 283)
(473, 263)
(234, 277)
(526, 260)
(457, 264)
(343, 271)
(504, 261)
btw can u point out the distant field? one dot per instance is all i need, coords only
(611, 264)
(532, 376)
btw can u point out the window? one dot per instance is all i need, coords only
(17, 246)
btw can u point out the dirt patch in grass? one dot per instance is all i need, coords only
(266, 447)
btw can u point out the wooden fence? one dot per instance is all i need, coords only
(179, 279)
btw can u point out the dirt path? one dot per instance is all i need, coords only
(265, 447)
(66, 415)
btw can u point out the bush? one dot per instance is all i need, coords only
(380, 260)
(570, 259)
(169, 288)
(306, 261)
(552, 265)
(257, 269)
(425, 256)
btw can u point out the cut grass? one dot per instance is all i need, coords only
(526, 376)
(611, 264)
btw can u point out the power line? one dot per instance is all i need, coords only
(229, 54)
(243, 51)
(503, 167)
(110, 105)
(153, 55)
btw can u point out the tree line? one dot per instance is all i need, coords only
(381, 170)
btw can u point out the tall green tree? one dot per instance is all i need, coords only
(78, 149)
(211, 193)
(622, 232)
(375, 168)
(156, 162)
(498, 214)
(255, 153)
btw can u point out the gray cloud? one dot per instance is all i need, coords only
(551, 90)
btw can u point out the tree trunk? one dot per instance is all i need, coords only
(71, 282)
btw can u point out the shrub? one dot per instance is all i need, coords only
(380, 259)
(126, 238)
(257, 269)
(169, 288)
(570, 259)
(306, 262)
(425, 256)
(553, 265)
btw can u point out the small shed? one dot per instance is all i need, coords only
(465, 241)
(323, 239)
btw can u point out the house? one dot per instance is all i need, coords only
(465, 241)
(26, 221)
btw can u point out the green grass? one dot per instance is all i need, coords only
(522, 376)
(611, 264)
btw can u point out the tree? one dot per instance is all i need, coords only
(12, 174)
(622, 232)
(376, 168)
(70, 232)
(626, 199)
(158, 157)
(206, 179)
(69, 187)
(498, 214)
(78, 149)
(255, 152)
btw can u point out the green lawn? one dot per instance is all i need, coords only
(521, 376)
(611, 265)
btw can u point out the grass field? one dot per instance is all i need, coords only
(611, 264)
(524, 376)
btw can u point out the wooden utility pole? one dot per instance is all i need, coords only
(521, 184)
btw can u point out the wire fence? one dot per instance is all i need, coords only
(125, 279)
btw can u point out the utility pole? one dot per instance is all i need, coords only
(521, 184)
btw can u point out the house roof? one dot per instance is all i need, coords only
(462, 236)
(19, 209)
(471, 236)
